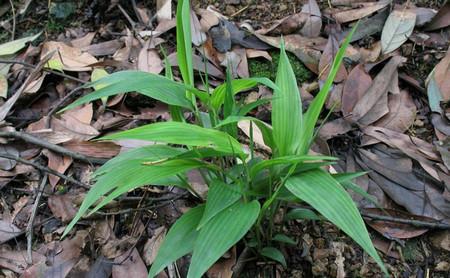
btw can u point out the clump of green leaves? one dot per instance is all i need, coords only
(245, 191)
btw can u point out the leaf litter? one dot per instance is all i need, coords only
(383, 122)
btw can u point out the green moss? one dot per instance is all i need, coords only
(260, 67)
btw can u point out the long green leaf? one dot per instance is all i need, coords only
(220, 196)
(151, 85)
(128, 176)
(184, 42)
(238, 85)
(326, 195)
(16, 45)
(220, 234)
(182, 134)
(312, 115)
(291, 159)
(287, 117)
(179, 241)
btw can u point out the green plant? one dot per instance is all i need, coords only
(245, 191)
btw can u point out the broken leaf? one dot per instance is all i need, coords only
(14, 46)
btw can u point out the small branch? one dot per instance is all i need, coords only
(14, 20)
(417, 223)
(44, 169)
(44, 144)
(29, 229)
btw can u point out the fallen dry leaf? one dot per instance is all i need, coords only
(164, 10)
(198, 36)
(313, 22)
(68, 58)
(84, 41)
(152, 245)
(8, 231)
(16, 260)
(129, 264)
(62, 206)
(366, 109)
(326, 60)
(363, 10)
(442, 76)
(402, 112)
(58, 163)
(149, 60)
(223, 268)
(356, 85)
(441, 20)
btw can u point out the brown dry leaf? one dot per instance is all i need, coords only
(84, 41)
(152, 245)
(103, 48)
(237, 59)
(149, 60)
(244, 126)
(62, 206)
(308, 50)
(442, 76)
(36, 84)
(94, 148)
(129, 265)
(71, 58)
(8, 231)
(130, 51)
(356, 85)
(58, 163)
(16, 260)
(441, 240)
(334, 128)
(371, 54)
(253, 53)
(373, 105)
(285, 26)
(423, 15)
(5, 163)
(208, 19)
(118, 247)
(362, 10)
(313, 22)
(3, 86)
(103, 230)
(386, 247)
(326, 60)
(402, 112)
(62, 256)
(441, 20)
(391, 229)
(223, 268)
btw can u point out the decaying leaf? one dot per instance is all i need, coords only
(364, 10)
(58, 163)
(129, 264)
(398, 27)
(402, 112)
(152, 245)
(441, 20)
(356, 85)
(313, 21)
(66, 57)
(326, 60)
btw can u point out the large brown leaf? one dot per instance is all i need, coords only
(357, 83)
(402, 112)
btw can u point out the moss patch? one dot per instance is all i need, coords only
(260, 67)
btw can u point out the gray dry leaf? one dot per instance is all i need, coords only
(313, 23)
(129, 265)
(357, 83)
(5, 163)
(8, 231)
(402, 112)
(149, 60)
(373, 105)
(164, 10)
(62, 206)
(3, 86)
(198, 36)
(397, 29)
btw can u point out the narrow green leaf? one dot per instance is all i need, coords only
(342, 177)
(326, 195)
(184, 42)
(274, 254)
(220, 234)
(284, 238)
(238, 85)
(220, 197)
(316, 105)
(287, 117)
(179, 241)
(182, 134)
(16, 45)
(128, 176)
(245, 109)
(151, 85)
(358, 190)
(291, 159)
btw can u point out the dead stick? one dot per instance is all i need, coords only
(44, 169)
(44, 144)
(29, 229)
(417, 223)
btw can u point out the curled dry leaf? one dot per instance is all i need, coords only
(164, 10)
(16, 260)
(149, 60)
(253, 53)
(3, 86)
(198, 36)
(67, 57)
(198, 64)
(397, 29)
(84, 41)
(442, 76)
(58, 163)
(5, 163)
(8, 231)
(245, 125)
(62, 206)
(208, 19)
(152, 245)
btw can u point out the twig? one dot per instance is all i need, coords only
(417, 223)
(131, 21)
(44, 169)
(29, 229)
(14, 20)
(44, 144)
(25, 64)
(61, 102)
(241, 261)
